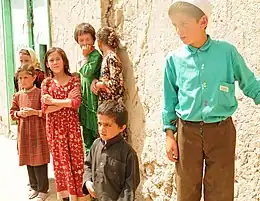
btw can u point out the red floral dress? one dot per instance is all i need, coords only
(64, 138)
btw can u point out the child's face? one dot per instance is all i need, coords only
(108, 128)
(85, 39)
(25, 59)
(26, 80)
(188, 28)
(55, 63)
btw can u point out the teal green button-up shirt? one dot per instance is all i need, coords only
(199, 83)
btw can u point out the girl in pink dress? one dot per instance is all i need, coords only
(61, 97)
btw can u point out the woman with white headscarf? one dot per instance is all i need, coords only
(28, 56)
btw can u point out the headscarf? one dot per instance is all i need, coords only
(33, 56)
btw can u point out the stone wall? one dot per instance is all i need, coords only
(148, 35)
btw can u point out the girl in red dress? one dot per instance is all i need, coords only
(31, 139)
(61, 98)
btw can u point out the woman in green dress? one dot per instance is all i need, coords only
(89, 69)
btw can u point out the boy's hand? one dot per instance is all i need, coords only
(87, 49)
(90, 188)
(171, 146)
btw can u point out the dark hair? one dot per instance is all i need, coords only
(64, 58)
(108, 36)
(115, 110)
(84, 28)
(28, 68)
(24, 52)
(186, 8)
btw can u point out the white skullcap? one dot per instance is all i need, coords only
(203, 5)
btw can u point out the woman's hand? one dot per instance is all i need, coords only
(87, 49)
(102, 86)
(93, 87)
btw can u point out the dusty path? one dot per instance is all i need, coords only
(13, 179)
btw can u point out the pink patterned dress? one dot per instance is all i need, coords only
(65, 141)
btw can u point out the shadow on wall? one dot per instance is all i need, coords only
(136, 123)
(112, 15)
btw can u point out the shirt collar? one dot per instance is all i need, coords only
(112, 141)
(203, 48)
(28, 90)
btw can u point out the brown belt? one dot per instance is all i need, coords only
(202, 123)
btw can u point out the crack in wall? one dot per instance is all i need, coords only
(106, 12)
(144, 53)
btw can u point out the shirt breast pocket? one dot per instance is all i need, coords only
(226, 94)
(115, 170)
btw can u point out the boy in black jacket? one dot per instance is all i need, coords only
(111, 167)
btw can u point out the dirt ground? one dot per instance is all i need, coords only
(13, 179)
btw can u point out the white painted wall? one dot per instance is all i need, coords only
(3, 100)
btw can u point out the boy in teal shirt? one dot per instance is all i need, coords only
(199, 99)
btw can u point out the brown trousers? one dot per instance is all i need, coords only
(206, 158)
(38, 177)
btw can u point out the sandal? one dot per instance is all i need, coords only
(41, 196)
(32, 194)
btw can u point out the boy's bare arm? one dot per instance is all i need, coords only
(171, 146)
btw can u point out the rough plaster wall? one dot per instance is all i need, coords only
(146, 34)
(145, 27)
(239, 22)
(65, 15)
(3, 108)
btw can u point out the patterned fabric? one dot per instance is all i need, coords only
(65, 141)
(112, 76)
(32, 141)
